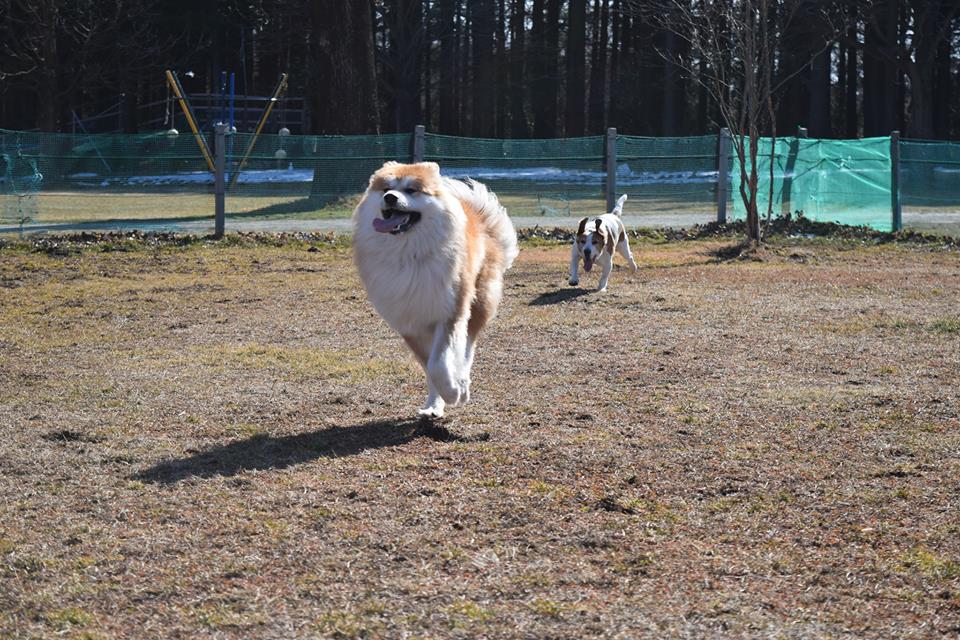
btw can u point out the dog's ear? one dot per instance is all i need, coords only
(381, 175)
(583, 226)
(599, 222)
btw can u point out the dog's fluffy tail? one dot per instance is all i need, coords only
(618, 209)
(485, 202)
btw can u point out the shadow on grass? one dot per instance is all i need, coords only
(328, 209)
(558, 296)
(263, 452)
(327, 206)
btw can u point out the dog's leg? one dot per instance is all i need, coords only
(574, 266)
(623, 246)
(606, 261)
(445, 365)
(420, 346)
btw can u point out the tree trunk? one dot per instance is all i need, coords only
(575, 111)
(552, 79)
(343, 87)
(406, 40)
(48, 89)
(500, 120)
(942, 90)
(426, 68)
(671, 86)
(448, 123)
(851, 128)
(464, 79)
(880, 59)
(598, 68)
(483, 20)
(615, 82)
(819, 112)
(921, 101)
(518, 67)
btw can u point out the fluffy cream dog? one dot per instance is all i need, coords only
(431, 252)
(596, 242)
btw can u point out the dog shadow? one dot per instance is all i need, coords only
(262, 452)
(558, 296)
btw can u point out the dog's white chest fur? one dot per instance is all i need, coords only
(415, 292)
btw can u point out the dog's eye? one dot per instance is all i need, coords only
(409, 191)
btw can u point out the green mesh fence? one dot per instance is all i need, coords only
(562, 177)
(304, 176)
(674, 177)
(162, 181)
(845, 181)
(930, 185)
(82, 178)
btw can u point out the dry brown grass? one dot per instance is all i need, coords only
(215, 442)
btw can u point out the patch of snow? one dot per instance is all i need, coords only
(626, 177)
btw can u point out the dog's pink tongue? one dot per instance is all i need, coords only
(386, 226)
(587, 264)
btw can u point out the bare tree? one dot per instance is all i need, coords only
(732, 55)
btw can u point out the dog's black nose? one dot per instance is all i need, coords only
(390, 199)
(586, 252)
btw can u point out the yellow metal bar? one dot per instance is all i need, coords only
(185, 106)
(263, 121)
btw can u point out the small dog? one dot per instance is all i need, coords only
(596, 242)
(431, 252)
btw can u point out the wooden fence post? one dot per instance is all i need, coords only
(418, 142)
(219, 180)
(723, 172)
(896, 222)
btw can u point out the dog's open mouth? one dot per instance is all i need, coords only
(587, 264)
(396, 221)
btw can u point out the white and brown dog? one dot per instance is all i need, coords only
(596, 241)
(431, 252)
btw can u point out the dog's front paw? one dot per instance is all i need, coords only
(446, 385)
(431, 411)
(573, 282)
(601, 289)
(464, 385)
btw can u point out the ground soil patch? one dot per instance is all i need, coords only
(207, 439)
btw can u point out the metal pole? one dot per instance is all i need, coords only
(263, 120)
(219, 181)
(895, 206)
(723, 172)
(175, 85)
(418, 142)
(611, 167)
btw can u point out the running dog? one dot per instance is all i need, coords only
(595, 242)
(431, 252)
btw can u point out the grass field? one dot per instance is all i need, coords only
(128, 209)
(215, 440)
(62, 207)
